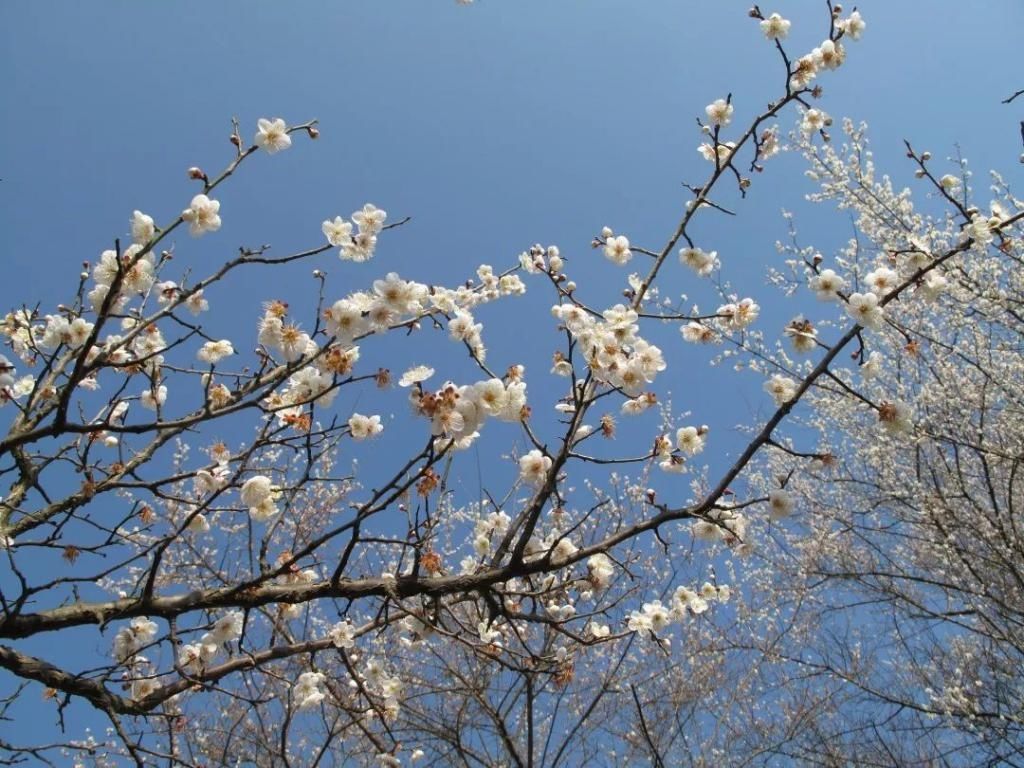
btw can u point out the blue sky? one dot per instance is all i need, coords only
(494, 126)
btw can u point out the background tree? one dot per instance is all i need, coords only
(267, 599)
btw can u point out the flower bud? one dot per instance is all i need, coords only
(196, 173)
(314, 132)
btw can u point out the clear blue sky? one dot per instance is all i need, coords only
(494, 126)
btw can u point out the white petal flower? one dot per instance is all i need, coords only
(215, 351)
(864, 309)
(775, 27)
(617, 249)
(338, 232)
(415, 375)
(202, 215)
(143, 228)
(272, 135)
(719, 112)
(363, 427)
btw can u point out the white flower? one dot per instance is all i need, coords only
(813, 120)
(690, 440)
(361, 427)
(854, 26)
(719, 112)
(129, 640)
(723, 151)
(775, 27)
(370, 219)
(256, 490)
(202, 215)
(780, 504)
(143, 228)
(616, 249)
(827, 284)
(781, 388)
(196, 303)
(153, 397)
(949, 182)
(307, 691)
(882, 281)
(343, 634)
(863, 308)
(896, 418)
(215, 351)
(227, 628)
(738, 316)
(806, 69)
(533, 467)
(337, 232)
(701, 262)
(272, 135)
(415, 375)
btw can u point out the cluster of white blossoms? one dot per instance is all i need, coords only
(260, 495)
(655, 617)
(690, 440)
(362, 427)
(131, 639)
(720, 152)
(724, 525)
(377, 681)
(488, 526)
(775, 27)
(306, 691)
(826, 285)
(194, 657)
(358, 247)
(829, 55)
(737, 315)
(814, 120)
(137, 271)
(458, 412)
(343, 635)
(719, 112)
(287, 339)
(71, 333)
(612, 347)
(213, 352)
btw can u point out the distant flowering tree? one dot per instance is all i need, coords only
(263, 606)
